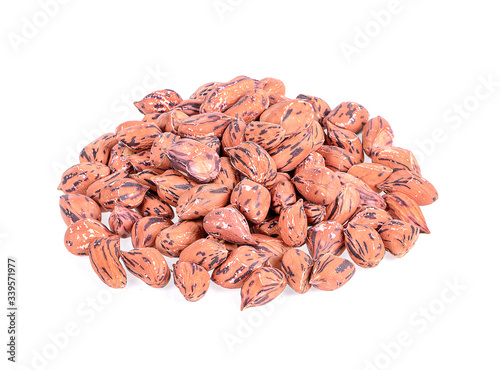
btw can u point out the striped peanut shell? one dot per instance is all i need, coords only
(144, 177)
(297, 266)
(77, 178)
(194, 160)
(367, 196)
(254, 162)
(122, 220)
(228, 224)
(201, 199)
(396, 158)
(318, 185)
(99, 150)
(249, 106)
(412, 185)
(173, 239)
(94, 190)
(262, 286)
(399, 237)
(228, 175)
(80, 234)
(364, 245)
(212, 142)
(153, 205)
(234, 134)
(267, 135)
(315, 213)
(402, 207)
(141, 161)
(158, 101)
(204, 90)
(171, 185)
(237, 267)
(204, 124)
(252, 200)
(272, 86)
(170, 121)
(331, 272)
(159, 147)
(75, 207)
(191, 280)
(124, 192)
(229, 246)
(293, 150)
(269, 227)
(345, 205)
(118, 158)
(227, 94)
(274, 246)
(151, 117)
(371, 216)
(269, 244)
(314, 159)
(320, 107)
(190, 107)
(145, 231)
(277, 98)
(347, 140)
(294, 115)
(325, 237)
(377, 134)
(104, 255)
(283, 192)
(348, 115)
(128, 124)
(318, 135)
(204, 252)
(293, 224)
(337, 159)
(148, 265)
(371, 174)
(139, 137)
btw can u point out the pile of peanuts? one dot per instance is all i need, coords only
(253, 176)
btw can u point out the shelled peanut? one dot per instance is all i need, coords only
(250, 176)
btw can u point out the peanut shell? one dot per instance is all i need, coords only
(80, 234)
(348, 115)
(228, 224)
(318, 185)
(199, 200)
(297, 266)
(238, 266)
(122, 220)
(158, 101)
(194, 160)
(173, 239)
(191, 280)
(331, 272)
(364, 245)
(75, 207)
(204, 252)
(252, 200)
(104, 256)
(148, 265)
(77, 178)
(262, 286)
(254, 162)
(325, 237)
(293, 224)
(145, 231)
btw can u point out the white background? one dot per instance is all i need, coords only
(71, 71)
